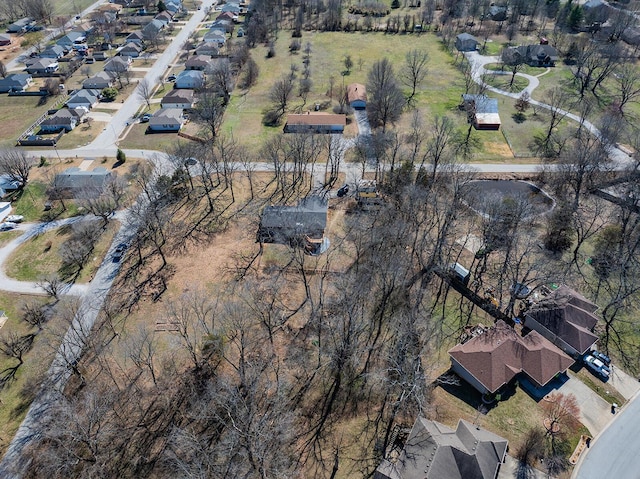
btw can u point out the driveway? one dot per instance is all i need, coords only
(595, 412)
(511, 470)
(627, 386)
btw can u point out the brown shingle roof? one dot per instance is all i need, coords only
(316, 119)
(497, 355)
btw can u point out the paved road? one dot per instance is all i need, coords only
(614, 454)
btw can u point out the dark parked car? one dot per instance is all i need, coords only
(597, 367)
(118, 253)
(601, 356)
(343, 191)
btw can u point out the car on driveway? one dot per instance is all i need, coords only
(14, 218)
(171, 78)
(118, 253)
(597, 367)
(598, 355)
(7, 226)
(145, 118)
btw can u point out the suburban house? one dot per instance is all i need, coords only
(64, 119)
(5, 39)
(466, 43)
(595, 11)
(178, 98)
(482, 111)
(357, 96)
(166, 119)
(315, 123)
(538, 55)
(84, 98)
(15, 82)
(225, 25)
(131, 49)
(215, 36)
(77, 183)
(497, 13)
(565, 318)
(72, 38)
(435, 451)
(190, 79)
(197, 62)
(165, 17)
(226, 16)
(20, 26)
(231, 7)
(135, 37)
(53, 51)
(211, 49)
(495, 357)
(173, 8)
(152, 29)
(99, 81)
(8, 185)
(293, 224)
(42, 66)
(118, 64)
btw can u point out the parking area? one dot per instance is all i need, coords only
(595, 412)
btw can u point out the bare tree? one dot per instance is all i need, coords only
(3, 69)
(145, 91)
(251, 73)
(34, 314)
(385, 102)
(16, 164)
(280, 94)
(414, 71)
(209, 111)
(51, 284)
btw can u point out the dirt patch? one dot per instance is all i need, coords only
(499, 149)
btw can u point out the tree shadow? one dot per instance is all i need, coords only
(519, 117)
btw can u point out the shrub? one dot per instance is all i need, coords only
(120, 156)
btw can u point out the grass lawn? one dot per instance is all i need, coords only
(503, 82)
(40, 255)
(137, 139)
(31, 200)
(82, 135)
(17, 113)
(440, 94)
(8, 236)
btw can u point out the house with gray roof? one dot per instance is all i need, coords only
(20, 26)
(64, 119)
(152, 29)
(5, 39)
(77, 183)
(291, 224)
(216, 36)
(208, 48)
(117, 64)
(15, 82)
(131, 49)
(100, 80)
(538, 55)
(42, 66)
(53, 51)
(72, 38)
(135, 37)
(466, 43)
(83, 98)
(166, 120)
(178, 98)
(197, 62)
(435, 451)
(190, 79)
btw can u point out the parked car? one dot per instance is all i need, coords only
(190, 161)
(519, 290)
(597, 367)
(597, 354)
(171, 78)
(342, 191)
(7, 225)
(118, 253)
(14, 218)
(145, 118)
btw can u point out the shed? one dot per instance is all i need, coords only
(482, 111)
(466, 43)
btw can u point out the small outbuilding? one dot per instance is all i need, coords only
(357, 96)
(482, 111)
(466, 43)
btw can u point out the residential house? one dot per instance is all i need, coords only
(77, 183)
(565, 318)
(198, 62)
(497, 13)
(100, 80)
(178, 98)
(8, 185)
(435, 451)
(118, 64)
(20, 26)
(215, 36)
(357, 96)
(233, 8)
(173, 8)
(110, 7)
(315, 123)
(86, 98)
(135, 37)
(494, 358)
(595, 11)
(42, 66)
(152, 29)
(15, 82)
(164, 17)
(190, 79)
(64, 119)
(53, 51)
(482, 111)
(538, 55)
(208, 48)
(166, 119)
(229, 16)
(293, 224)
(222, 24)
(131, 49)
(466, 43)
(5, 40)
(72, 38)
